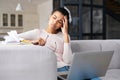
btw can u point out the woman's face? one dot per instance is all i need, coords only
(56, 20)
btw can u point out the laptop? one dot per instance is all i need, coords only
(88, 65)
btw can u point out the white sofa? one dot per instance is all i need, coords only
(27, 62)
(113, 72)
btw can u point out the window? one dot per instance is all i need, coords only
(92, 17)
(20, 20)
(5, 19)
(12, 19)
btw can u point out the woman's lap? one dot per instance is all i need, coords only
(65, 68)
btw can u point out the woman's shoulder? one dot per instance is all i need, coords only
(60, 34)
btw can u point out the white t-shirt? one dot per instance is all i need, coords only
(55, 42)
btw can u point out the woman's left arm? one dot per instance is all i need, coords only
(67, 52)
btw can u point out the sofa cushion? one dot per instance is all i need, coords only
(111, 45)
(112, 74)
(85, 45)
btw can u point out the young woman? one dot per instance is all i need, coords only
(55, 37)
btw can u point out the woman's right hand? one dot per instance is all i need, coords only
(40, 42)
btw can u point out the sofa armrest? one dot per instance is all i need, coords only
(27, 62)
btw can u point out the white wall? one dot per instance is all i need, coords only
(44, 11)
(31, 21)
(34, 15)
(30, 15)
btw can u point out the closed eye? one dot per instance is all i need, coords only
(60, 22)
(54, 17)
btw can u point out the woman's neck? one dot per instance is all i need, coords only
(51, 31)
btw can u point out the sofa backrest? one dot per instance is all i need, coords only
(27, 62)
(108, 45)
(99, 45)
(85, 45)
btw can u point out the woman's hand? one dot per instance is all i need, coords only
(65, 25)
(65, 30)
(40, 42)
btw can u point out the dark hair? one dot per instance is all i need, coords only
(63, 11)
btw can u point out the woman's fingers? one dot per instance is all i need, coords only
(65, 25)
(41, 42)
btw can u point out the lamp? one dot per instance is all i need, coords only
(19, 7)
